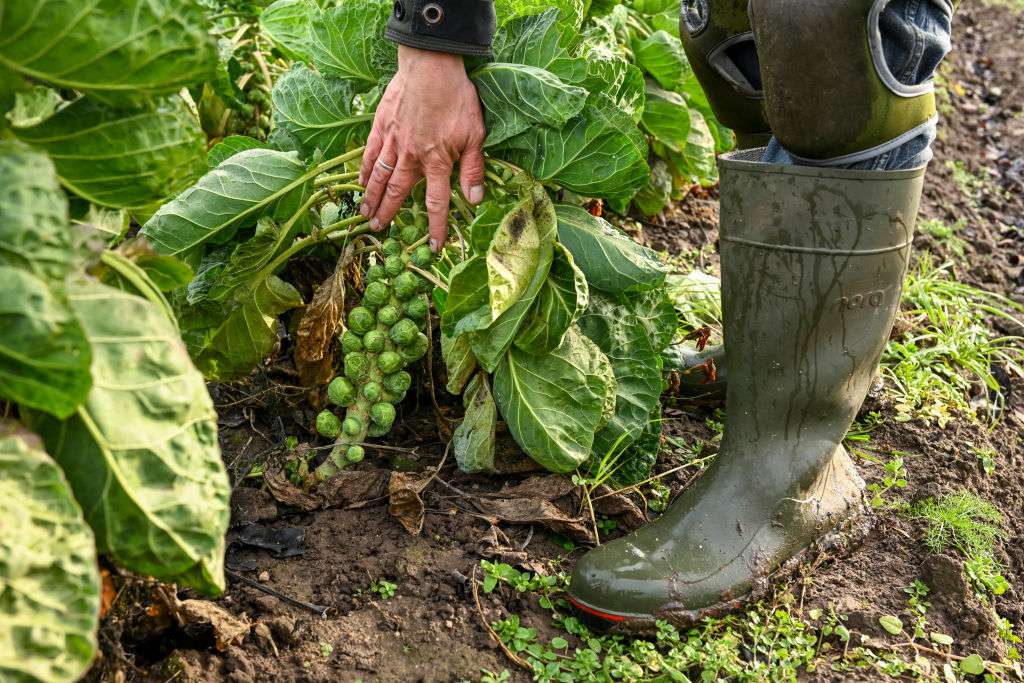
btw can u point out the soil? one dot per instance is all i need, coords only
(431, 630)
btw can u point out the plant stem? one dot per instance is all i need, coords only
(428, 276)
(336, 178)
(324, 235)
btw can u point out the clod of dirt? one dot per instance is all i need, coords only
(945, 576)
(251, 505)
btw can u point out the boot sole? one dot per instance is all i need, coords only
(848, 534)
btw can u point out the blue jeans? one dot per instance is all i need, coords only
(915, 39)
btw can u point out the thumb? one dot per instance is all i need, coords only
(471, 174)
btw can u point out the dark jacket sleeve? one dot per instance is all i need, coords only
(458, 26)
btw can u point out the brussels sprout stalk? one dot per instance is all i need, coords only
(384, 335)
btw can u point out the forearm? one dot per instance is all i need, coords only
(463, 27)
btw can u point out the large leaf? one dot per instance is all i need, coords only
(516, 97)
(34, 233)
(229, 339)
(661, 55)
(229, 147)
(317, 110)
(119, 51)
(467, 306)
(667, 118)
(123, 159)
(347, 40)
(554, 403)
(560, 302)
(521, 246)
(611, 261)
(459, 362)
(534, 40)
(473, 440)
(49, 581)
(141, 454)
(599, 153)
(612, 324)
(570, 11)
(44, 356)
(288, 23)
(237, 192)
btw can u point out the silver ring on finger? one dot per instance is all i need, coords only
(386, 166)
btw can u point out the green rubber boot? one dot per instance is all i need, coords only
(813, 261)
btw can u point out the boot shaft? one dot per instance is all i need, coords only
(813, 261)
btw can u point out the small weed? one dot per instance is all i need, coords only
(385, 589)
(986, 456)
(972, 526)
(971, 185)
(945, 234)
(917, 607)
(326, 650)
(895, 476)
(934, 370)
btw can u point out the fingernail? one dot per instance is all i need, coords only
(476, 194)
(434, 246)
(375, 225)
(365, 210)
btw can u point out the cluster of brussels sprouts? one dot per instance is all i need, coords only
(253, 117)
(384, 335)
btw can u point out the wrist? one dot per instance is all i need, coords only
(417, 61)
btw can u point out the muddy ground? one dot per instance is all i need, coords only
(431, 630)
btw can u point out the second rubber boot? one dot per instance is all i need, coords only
(813, 261)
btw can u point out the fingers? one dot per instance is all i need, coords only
(374, 144)
(406, 176)
(471, 174)
(437, 202)
(379, 177)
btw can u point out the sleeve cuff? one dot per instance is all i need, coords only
(463, 27)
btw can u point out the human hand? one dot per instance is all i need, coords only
(428, 118)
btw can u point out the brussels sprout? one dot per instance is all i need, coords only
(351, 342)
(383, 414)
(357, 366)
(355, 454)
(389, 362)
(411, 235)
(341, 392)
(374, 341)
(395, 231)
(372, 392)
(377, 294)
(376, 431)
(416, 350)
(405, 286)
(375, 273)
(417, 309)
(353, 426)
(389, 315)
(398, 382)
(424, 285)
(328, 425)
(404, 332)
(360, 320)
(423, 257)
(394, 265)
(391, 247)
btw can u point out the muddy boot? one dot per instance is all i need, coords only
(813, 261)
(696, 375)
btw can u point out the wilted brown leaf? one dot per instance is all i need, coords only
(404, 500)
(536, 511)
(314, 349)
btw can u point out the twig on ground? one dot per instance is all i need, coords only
(316, 609)
(491, 632)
